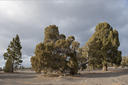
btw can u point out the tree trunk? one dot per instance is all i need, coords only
(92, 67)
(82, 64)
(111, 64)
(72, 72)
(12, 69)
(12, 66)
(81, 68)
(104, 68)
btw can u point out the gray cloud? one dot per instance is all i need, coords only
(29, 18)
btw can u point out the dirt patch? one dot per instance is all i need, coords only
(87, 77)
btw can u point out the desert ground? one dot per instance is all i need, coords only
(113, 76)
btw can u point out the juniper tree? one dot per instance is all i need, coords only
(124, 61)
(95, 58)
(107, 49)
(83, 57)
(42, 59)
(56, 52)
(51, 34)
(127, 61)
(13, 54)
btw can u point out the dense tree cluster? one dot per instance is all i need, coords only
(13, 55)
(61, 54)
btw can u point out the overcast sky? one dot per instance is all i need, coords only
(29, 18)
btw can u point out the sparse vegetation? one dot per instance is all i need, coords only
(60, 54)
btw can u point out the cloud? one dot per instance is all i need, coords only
(29, 18)
(26, 61)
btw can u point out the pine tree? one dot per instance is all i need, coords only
(13, 54)
(8, 66)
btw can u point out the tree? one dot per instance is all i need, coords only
(102, 47)
(56, 52)
(51, 34)
(42, 59)
(124, 61)
(13, 54)
(81, 57)
(8, 66)
(94, 51)
(127, 61)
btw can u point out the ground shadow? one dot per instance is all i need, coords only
(110, 73)
(86, 74)
(18, 75)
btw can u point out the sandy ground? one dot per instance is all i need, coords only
(113, 76)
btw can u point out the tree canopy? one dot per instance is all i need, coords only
(56, 52)
(13, 54)
(59, 53)
(124, 61)
(102, 47)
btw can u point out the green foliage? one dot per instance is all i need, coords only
(51, 34)
(95, 59)
(102, 47)
(124, 61)
(13, 54)
(127, 61)
(81, 55)
(56, 52)
(43, 57)
(8, 66)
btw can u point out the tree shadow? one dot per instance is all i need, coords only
(18, 75)
(100, 74)
(84, 74)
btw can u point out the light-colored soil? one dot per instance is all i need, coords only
(113, 76)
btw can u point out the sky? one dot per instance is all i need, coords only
(78, 18)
